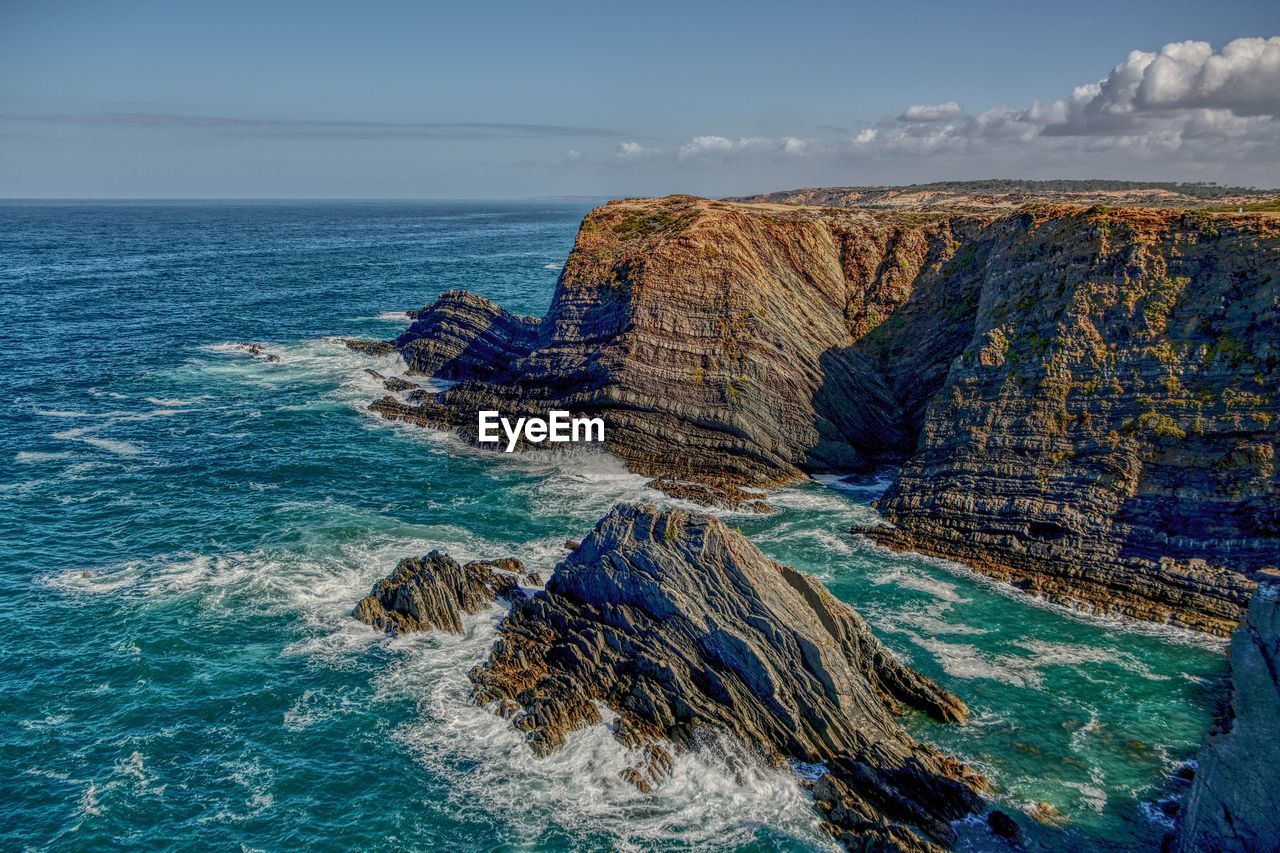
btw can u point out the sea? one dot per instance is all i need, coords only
(185, 527)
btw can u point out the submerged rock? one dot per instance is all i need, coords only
(1234, 801)
(433, 592)
(258, 351)
(683, 628)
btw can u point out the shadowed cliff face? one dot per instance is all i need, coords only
(1085, 401)
(1234, 803)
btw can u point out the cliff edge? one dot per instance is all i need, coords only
(1085, 401)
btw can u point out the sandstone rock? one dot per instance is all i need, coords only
(683, 629)
(1234, 801)
(433, 592)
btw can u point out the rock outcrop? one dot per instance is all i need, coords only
(370, 347)
(1234, 802)
(1086, 401)
(684, 630)
(432, 593)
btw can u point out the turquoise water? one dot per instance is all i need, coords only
(184, 529)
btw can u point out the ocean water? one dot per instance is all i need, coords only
(185, 527)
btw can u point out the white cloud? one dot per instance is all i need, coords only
(1174, 85)
(634, 151)
(1183, 111)
(931, 112)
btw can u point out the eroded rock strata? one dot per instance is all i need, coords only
(683, 629)
(1234, 802)
(432, 592)
(1085, 401)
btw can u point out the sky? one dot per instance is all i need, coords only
(389, 99)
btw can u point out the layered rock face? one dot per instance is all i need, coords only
(1108, 437)
(717, 341)
(1087, 400)
(683, 629)
(1234, 803)
(433, 592)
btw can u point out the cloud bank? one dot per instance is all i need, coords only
(1184, 103)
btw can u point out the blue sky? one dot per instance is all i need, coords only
(399, 99)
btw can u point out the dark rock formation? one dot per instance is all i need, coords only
(433, 592)
(370, 347)
(683, 628)
(1004, 826)
(1087, 400)
(1234, 802)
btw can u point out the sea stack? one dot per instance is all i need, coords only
(686, 631)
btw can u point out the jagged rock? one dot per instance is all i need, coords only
(433, 592)
(1087, 400)
(572, 544)
(683, 628)
(1234, 801)
(375, 374)
(397, 384)
(370, 347)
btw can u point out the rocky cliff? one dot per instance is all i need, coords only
(685, 631)
(1085, 401)
(1234, 803)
